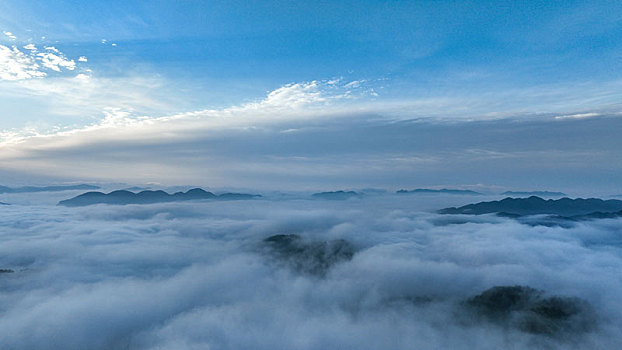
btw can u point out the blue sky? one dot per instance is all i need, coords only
(70, 67)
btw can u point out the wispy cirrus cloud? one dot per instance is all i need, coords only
(577, 116)
(310, 94)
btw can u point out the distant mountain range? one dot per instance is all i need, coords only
(25, 189)
(336, 195)
(122, 197)
(565, 207)
(534, 193)
(444, 191)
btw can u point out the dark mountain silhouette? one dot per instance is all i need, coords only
(533, 205)
(310, 257)
(432, 191)
(26, 189)
(237, 196)
(533, 193)
(147, 197)
(336, 195)
(598, 215)
(529, 310)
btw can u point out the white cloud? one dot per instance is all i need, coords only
(18, 65)
(15, 65)
(83, 76)
(10, 35)
(306, 97)
(577, 116)
(82, 59)
(55, 62)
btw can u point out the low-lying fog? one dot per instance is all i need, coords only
(380, 272)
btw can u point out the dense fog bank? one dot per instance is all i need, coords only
(380, 272)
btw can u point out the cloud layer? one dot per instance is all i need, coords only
(190, 276)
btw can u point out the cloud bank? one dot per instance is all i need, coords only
(197, 275)
(316, 135)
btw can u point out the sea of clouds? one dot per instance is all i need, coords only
(197, 275)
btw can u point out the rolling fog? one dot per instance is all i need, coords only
(204, 275)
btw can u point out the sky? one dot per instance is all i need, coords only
(313, 94)
(288, 98)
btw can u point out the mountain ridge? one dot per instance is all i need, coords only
(535, 205)
(123, 197)
(442, 190)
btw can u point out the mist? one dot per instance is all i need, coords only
(200, 275)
